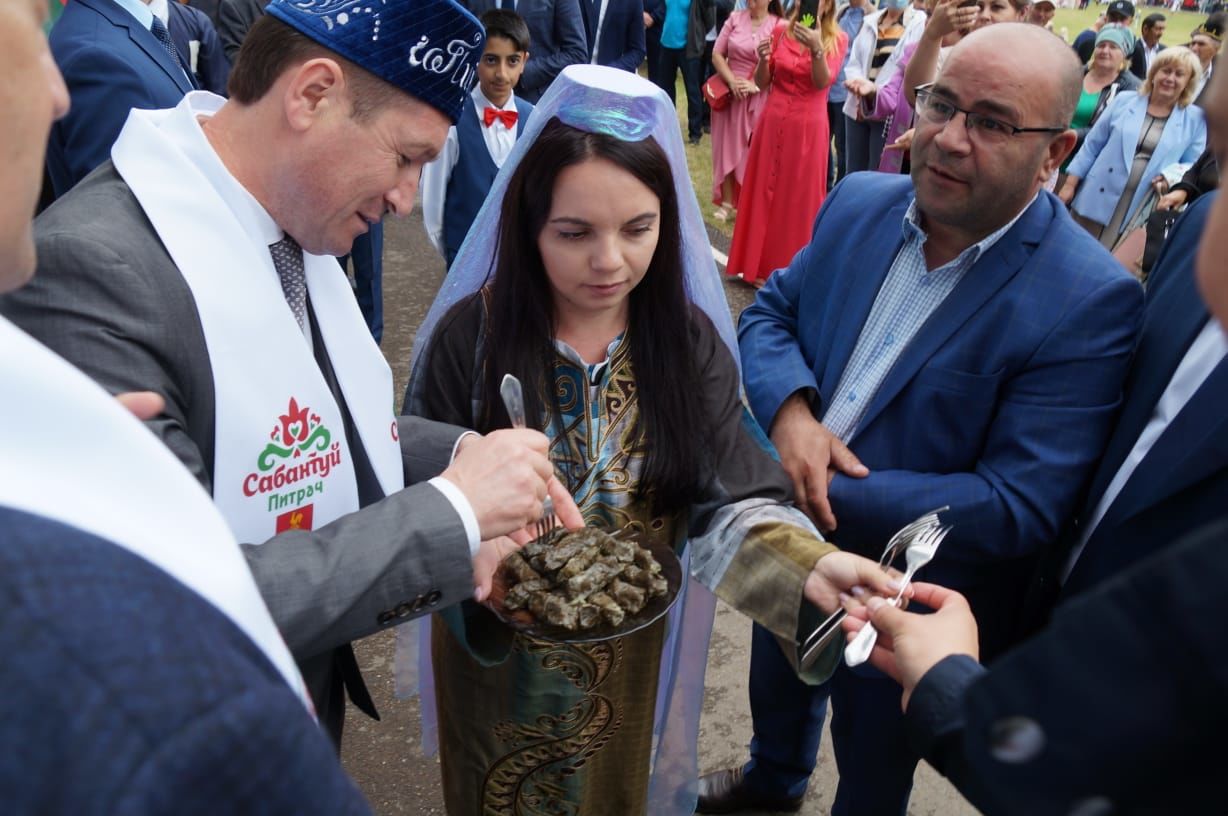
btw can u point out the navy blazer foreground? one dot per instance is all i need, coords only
(1182, 483)
(111, 64)
(1000, 405)
(126, 692)
(622, 35)
(1116, 707)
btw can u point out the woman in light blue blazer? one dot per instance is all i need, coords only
(1137, 137)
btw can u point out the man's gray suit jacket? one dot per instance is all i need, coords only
(108, 298)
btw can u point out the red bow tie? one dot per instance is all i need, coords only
(507, 117)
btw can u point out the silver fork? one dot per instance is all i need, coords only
(919, 553)
(513, 401)
(817, 640)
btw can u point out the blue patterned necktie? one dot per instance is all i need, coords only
(158, 29)
(288, 261)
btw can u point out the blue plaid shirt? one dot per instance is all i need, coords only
(910, 293)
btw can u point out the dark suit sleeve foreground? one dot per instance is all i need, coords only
(1120, 700)
(133, 695)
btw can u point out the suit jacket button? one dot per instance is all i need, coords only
(1092, 806)
(404, 610)
(434, 597)
(418, 603)
(385, 618)
(1015, 740)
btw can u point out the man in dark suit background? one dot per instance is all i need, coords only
(209, 7)
(1153, 29)
(129, 692)
(112, 59)
(615, 30)
(556, 30)
(654, 14)
(234, 19)
(191, 27)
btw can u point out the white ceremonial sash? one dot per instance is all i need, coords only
(69, 452)
(281, 459)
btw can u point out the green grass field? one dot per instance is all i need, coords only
(1067, 22)
(1180, 23)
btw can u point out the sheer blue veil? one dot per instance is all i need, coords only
(599, 100)
(628, 107)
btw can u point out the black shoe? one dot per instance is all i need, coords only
(725, 792)
(696, 139)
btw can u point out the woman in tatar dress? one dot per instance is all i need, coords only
(609, 310)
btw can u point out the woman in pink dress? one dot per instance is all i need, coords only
(734, 57)
(786, 172)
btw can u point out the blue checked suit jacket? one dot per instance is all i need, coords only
(127, 693)
(999, 407)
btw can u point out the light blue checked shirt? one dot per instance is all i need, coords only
(909, 295)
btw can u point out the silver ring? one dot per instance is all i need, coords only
(548, 507)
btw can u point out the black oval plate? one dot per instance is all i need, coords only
(522, 620)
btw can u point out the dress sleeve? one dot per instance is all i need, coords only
(722, 40)
(749, 544)
(449, 368)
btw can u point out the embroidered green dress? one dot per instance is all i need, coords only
(531, 727)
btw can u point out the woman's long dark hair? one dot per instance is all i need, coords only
(521, 322)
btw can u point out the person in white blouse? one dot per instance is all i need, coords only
(454, 185)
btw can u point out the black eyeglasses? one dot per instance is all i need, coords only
(939, 111)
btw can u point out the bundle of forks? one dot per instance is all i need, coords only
(920, 540)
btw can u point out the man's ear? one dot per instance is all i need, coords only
(315, 89)
(1058, 150)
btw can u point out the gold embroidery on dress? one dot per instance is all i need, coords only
(532, 780)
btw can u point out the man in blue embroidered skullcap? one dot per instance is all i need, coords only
(199, 263)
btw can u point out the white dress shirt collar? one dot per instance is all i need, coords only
(597, 35)
(161, 10)
(913, 229)
(138, 10)
(480, 102)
